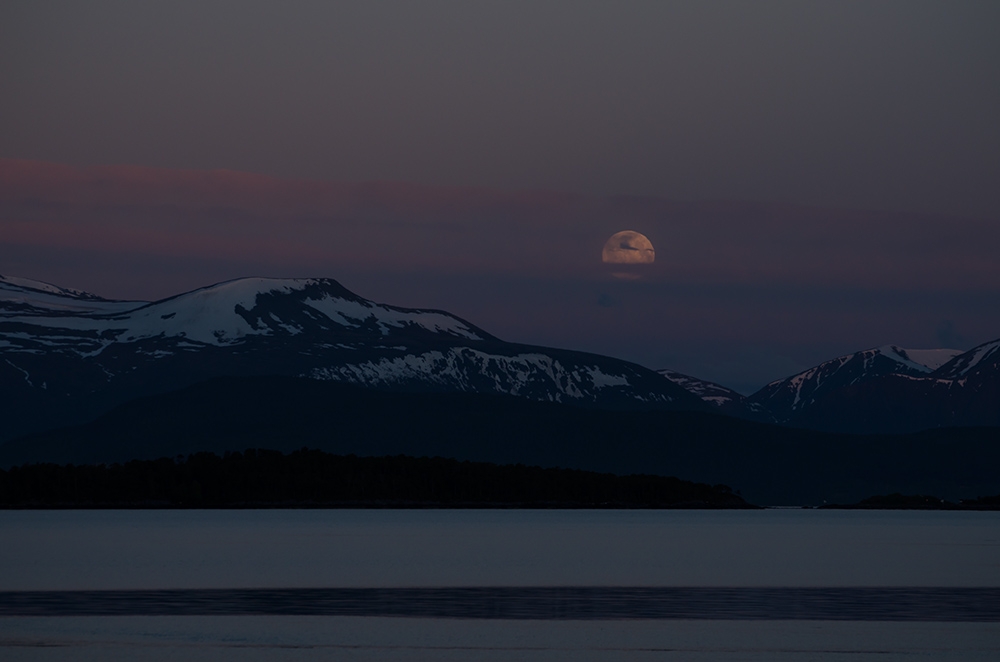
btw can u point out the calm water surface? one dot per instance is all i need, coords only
(804, 549)
(367, 548)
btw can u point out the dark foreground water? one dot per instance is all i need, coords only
(499, 585)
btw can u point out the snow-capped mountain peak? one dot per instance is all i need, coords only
(23, 296)
(56, 357)
(224, 314)
(210, 315)
(921, 360)
(977, 358)
(228, 312)
(890, 389)
(15, 283)
(806, 387)
(931, 358)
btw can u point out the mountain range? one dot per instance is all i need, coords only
(882, 390)
(765, 463)
(67, 356)
(890, 389)
(291, 363)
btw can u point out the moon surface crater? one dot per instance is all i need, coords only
(628, 247)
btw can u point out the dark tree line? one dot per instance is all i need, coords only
(311, 478)
(897, 501)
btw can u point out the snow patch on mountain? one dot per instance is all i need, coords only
(468, 369)
(23, 296)
(921, 360)
(602, 380)
(932, 358)
(27, 375)
(981, 354)
(209, 315)
(968, 362)
(710, 392)
(218, 315)
(801, 390)
(41, 286)
(901, 357)
(354, 313)
(872, 386)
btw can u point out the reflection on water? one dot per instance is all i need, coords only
(502, 585)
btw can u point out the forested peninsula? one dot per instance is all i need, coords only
(315, 479)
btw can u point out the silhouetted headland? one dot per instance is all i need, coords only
(314, 479)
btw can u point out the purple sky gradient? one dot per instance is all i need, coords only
(851, 104)
(474, 156)
(741, 293)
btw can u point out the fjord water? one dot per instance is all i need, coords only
(149, 549)
(87, 550)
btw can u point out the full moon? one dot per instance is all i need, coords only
(628, 247)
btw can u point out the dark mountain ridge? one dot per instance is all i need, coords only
(889, 389)
(68, 356)
(767, 464)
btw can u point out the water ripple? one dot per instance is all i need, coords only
(536, 603)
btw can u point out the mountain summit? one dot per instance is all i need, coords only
(67, 355)
(890, 389)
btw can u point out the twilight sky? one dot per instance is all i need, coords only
(816, 177)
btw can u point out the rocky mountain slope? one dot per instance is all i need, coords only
(722, 399)
(890, 389)
(66, 356)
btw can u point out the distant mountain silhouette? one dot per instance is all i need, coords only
(67, 356)
(890, 389)
(724, 400)
(767, 464)
(881, 390)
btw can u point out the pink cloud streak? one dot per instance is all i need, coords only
(228, 215)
